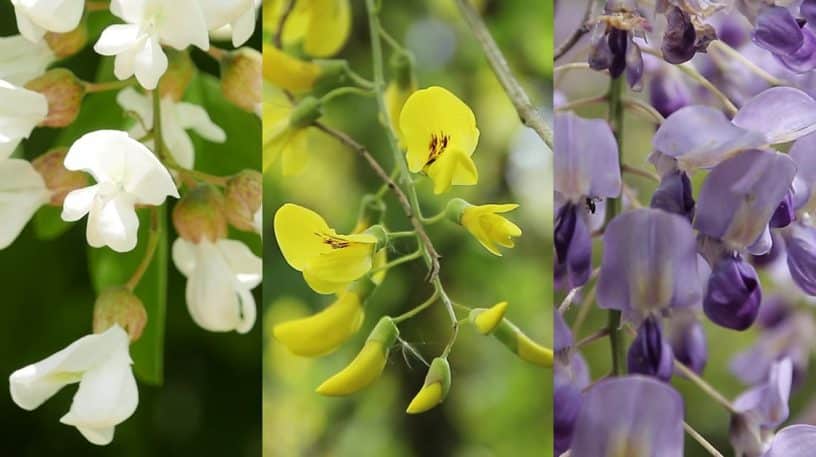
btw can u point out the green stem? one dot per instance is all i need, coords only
(398, 261)
(348, 90)
(435, 218)
(91, 87)
(395, 45)
(152, 244)
(359, 80)
(612, 208)
(418, 309)
(402, 234)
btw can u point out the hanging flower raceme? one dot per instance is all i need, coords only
(107, 393)
(127, 174)
(176, 119)
(485, 223)
(220, 272)
(586, 169)
(440, 135)
(36, 17)
(329, 261)
(321, 26)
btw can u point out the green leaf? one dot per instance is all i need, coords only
(109, 268)
(48, 224)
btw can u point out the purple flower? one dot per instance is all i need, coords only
(777, 248)
(793, 441)
(649, 263)
(614, 48)
(783, 114)
(650, 354)
(674, 195)
(668, 92)
(780, 33)
(769, 401)
(568, 382)
(688, 340)
(733, 293)
(800, 241)
(773, 312)
(785, 213)
(629, 416)
(802, 153)
(573, 244)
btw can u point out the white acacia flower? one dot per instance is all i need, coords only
(220, 277)
(151, 23)
(21, 60)
(20, 111)
(126, 174)
(177, 117)
(22, 192)
(36, 17)
(231, 18)
(107, 393)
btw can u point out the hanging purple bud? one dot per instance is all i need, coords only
(629, 416)
(679, 37)
(668, 93)
(674, 195)
(777, 31)
(618, 41)
(794, 441)
(573, 244)
(568, 382)
(650, 354)
(730, 30)
(785, 213)
(769, 257)
(600, 55)
(800, 241)
(688, 341)
(733, 294)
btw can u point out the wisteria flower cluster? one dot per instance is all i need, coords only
(135, 174)
(432, 135)
(726, 236)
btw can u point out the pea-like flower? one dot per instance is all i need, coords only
(650, 353)
(127, 174)
(21, 111)
(486, 320)
(329, 261)
(282, 139)
(321, 26)
(107, 393)
(794, 441)
(570, 378)
(779, 32)
(288, 72)
(488, 227)
(434, 389)
(36, 17)
(440, 135)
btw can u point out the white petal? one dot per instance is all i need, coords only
(246, 266)
(211, 296)
(184, 256)
(21, 61)
(248, 311)
(195, 117)
(78, 203)
(243, 27)
(183, 24)
(22, 192)
(20, 111)
(257, 221)
(53, 15)
(132, 11)
(132, 100)
(100, 153)
(113, 223)
(118, 38)
(149, 63)
(28, 29)
(178, 142)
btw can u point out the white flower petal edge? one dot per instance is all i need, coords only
(107, 393)
(20, 111)
(257, 221)
(21, 61)
(22, 193)
(36, 17)
(220, 277)
(127, 174)
(235, 18)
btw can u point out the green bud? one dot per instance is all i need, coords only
(241, 79)
(119, 305)
(379, 232)
(200, 215)
(333, 74)
(402, 70)
(242, 199)
(59, 180)
(455, 208)
(385, 332)
(305, 113)
(64, 92)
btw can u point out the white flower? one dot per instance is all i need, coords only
(36, 17)
(151, 23)
(127, 174)
(21, 61)
(22, 193)
(258, 221)
(231, 18)
(220, 276)
(20, 111)
(177, 117)
(107, 393)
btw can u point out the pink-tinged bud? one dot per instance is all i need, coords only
(119, 305)
(69, 43)
(241, 78)
(64, 92)
(59, 180)
(243, 198)
(179, 74)
(200, 215)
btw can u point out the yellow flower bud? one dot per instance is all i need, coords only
(490, 229)
(434, 390)
(520, 344)
(486, 320)
(59, 180)
(64, 92)
(119, 305)
(371, 212)
(367, 365)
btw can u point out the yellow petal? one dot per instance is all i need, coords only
(489, 228)
(380, 259)
(533, 352)
(329, 27)
(324, 331)
(323, 286)
(344, 264)
(428, 397)
(298, 22)
(362, 371)
(488, 319)
(295, 229)
(295, 152)
(452, 167)
(287, 72)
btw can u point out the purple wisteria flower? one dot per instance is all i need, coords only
(570, 377)
(790, 41)
(768, 401)
(793, 441)
(687, 339)
(629, 416)
(586, 170)
(613, 45)
(650, 353)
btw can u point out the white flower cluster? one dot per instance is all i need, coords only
(128, 174)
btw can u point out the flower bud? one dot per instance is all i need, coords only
(59, 180)
(200, 214)
(486, 320)
(674, 195)
(434, 390)
(305, 113)
(485, 223)
(379, 232)
(119, 305)
(650, 354)
(785, 213)
(573, 244)
(69, 43)
(64, 92)
(521, 345)
(800, 241)
(367, 365)
(679, 37)
(287, 72)
(733, 294)
(242, 199)
(668, 92)
(241, 79)
(688, 341)
(180, 70)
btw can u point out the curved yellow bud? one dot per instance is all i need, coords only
(325, 331)
(425, 399)
(486, 320)
(533, 352)
(490, 229)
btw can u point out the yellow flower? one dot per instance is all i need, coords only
(329, 261)
(522, 345)
(440, 134)
(395, 97)
(322, 26)
(486, 320)
(281, 139)
(434, 389)
(490, 229)
(323, 332)
(287, 72)
(367, 365)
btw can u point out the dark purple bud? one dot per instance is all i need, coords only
(618, 41)
(804, 59)
(777, 31)
(650, 354)
(785, 213)
(733, 294)
(688, 342)
(668, 93)
(674, 195)
(679, 38)
(777, 248)
(573, 244)
(800, 242)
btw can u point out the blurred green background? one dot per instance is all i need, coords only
(498, 405)
(209, 403)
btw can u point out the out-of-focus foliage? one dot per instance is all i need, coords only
(208, 403)
(498, 405)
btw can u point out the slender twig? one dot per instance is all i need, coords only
(571, 66)
(277, 39)
(418, 309)
(723, 47)
(346, 90)
(616, 89)
(707, 388)
(577, 34)
(651, 113)
(91, 87)
(583, 309)
(582, 102)
(398, 261)
(435, 218)
(632, 170)
(152, 244)
(593, 337)
(702, 441)
(526, 111)
(567, 301)
(631, 195)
